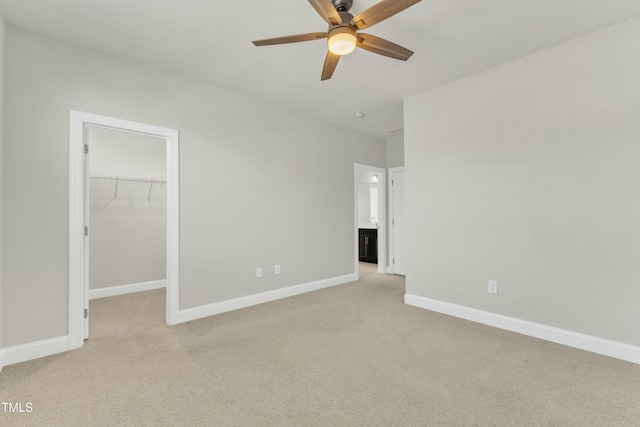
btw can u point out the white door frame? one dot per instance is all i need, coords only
(78, 247)
(382, 221)
(392, 269)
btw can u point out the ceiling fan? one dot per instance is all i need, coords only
(343, 36)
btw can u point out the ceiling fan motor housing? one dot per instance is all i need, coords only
(345, 27)
(346, 20)
(342, 5)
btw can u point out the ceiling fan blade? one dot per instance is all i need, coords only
(383, 47)
(330, 63)
(327, 11)
(291, 39)
(379, 12)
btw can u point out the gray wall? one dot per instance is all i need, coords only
(128, 239)
(395, 149)
(364, 198)
(259, 185)
(126, 154)
(364, 203)
(2, 32)
(529, 174)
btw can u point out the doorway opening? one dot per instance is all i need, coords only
(127, 219)
(370, 219)
(83, 128)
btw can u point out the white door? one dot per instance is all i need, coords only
(87, 217)
(399, 261)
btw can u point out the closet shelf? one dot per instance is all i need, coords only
(117, 179)
(122, 178)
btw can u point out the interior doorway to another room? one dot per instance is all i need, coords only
(127, 215)
(370, 217)
(113, 193)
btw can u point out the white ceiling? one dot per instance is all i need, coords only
(210, 41)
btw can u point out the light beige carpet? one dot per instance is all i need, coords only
(352, 355)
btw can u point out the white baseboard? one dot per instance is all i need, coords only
(255, 299)
(609, 348)
(34, 350)
(126, 289)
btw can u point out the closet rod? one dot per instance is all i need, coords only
(119, 178)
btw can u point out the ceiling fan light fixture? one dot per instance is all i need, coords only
(343, 37)
(342, 40)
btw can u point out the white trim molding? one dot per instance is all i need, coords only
(255, 299)
(390, 208)
(593, 344)
(131, 288)
(34, 350)
(78, 243)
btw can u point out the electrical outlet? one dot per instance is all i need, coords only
(259, 272)
(276, 269)
(493, 286)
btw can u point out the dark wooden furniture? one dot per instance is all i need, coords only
(368, 245)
